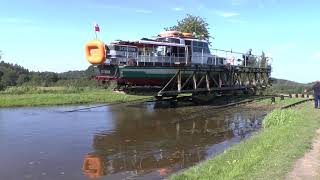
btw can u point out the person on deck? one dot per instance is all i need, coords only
(249, 52)
(316, 93)
(246, 56)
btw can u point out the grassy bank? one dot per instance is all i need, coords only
(268, 154)
(35, 96)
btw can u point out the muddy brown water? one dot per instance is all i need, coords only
(132, 141)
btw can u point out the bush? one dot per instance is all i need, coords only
(42, 90)
(280, 117)
(2, 86)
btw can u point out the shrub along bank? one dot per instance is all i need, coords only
(36, 96)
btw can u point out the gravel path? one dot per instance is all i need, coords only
(308, 167)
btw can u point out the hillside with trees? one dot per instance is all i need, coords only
(287, 86)
(16, 75)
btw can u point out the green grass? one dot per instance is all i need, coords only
(268, 154)
(36, 96)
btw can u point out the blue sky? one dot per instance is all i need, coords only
(50, 35)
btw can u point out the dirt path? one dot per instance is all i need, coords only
(308, 167)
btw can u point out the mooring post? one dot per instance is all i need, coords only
(194, 81)
(177, 129)
(297, 95)
(282, 97)
(273, 100)
(193, 127)
(308, 96)
(205, 129)
(179, 80)
(302, 95)
(290, 95)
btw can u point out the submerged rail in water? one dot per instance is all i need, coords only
(182, 98)
(297, 103)
(103, 105)
(186, 98)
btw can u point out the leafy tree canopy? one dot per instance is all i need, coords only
(192, 24)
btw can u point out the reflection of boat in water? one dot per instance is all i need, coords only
(93, 166)
(143, 142)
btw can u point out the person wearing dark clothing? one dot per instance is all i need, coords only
(316, 94)
(246, 57)
(316, 90)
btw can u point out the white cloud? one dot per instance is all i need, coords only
(227, 14)
(143, 11)
(178, 9)
(237, 21)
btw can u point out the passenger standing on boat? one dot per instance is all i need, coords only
(169, 52)
(316, 93)
(246, 56)
(230, 60)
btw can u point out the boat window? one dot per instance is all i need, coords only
(200, 47)
(174, 40)
(169, 40)
(188, 43)
(206, 48)
(160, 51)
(195, 47)
(146, 51)
(163, 39)
(195, 44)
(111, 47)
(179, 52)
(210, 60)
(125, 48)
(120, 48)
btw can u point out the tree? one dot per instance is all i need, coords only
(90, 71)
(9, 78)
(23, 78)
(192, 24)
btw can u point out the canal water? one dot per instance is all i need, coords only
(128, 141)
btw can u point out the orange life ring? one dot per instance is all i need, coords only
(170, 34)
(92, 166)
(95, 52)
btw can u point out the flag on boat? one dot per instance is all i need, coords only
(96, 27)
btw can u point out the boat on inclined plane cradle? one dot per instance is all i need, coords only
(175, 63)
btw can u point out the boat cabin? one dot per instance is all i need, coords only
(162, 51)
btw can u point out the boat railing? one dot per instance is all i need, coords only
(156, 60)
(241, 59)
(220, 57)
